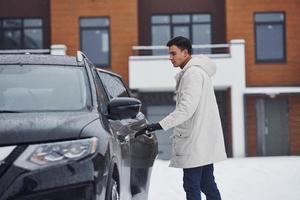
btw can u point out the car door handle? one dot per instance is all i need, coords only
(123, 139)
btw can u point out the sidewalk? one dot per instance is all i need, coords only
(258, 178)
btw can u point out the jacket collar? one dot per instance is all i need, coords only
(180, 74)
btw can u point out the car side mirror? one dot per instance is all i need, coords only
(123, 108)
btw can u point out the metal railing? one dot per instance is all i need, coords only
(197, 49)
(25, 51)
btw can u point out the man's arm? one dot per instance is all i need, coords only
(191, 90)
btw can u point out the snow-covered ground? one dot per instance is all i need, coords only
(258, 178)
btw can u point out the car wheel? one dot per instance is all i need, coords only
(114, 192)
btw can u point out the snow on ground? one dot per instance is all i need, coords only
(258, 178)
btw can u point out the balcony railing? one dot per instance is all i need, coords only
(212, 50)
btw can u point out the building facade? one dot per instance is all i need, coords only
(271, 31)
(255, 45)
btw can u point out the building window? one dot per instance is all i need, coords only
(25, 33)
(270, 37)
(95, 40)
(196, 27)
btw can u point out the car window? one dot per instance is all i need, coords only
(43, 88)
(102, 96)
(113, 85)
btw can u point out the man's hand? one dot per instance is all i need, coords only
(148, 128)
(153, 127)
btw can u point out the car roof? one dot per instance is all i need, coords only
(44, 59)
(36, 59)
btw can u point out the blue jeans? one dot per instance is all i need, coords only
(200, 179)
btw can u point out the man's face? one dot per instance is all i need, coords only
(178, 56)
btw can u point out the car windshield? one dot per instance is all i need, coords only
(42, 88)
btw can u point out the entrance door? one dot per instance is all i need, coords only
(272, 124)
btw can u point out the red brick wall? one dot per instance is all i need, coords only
(123, 27)
(251, 140)
(294, 124)
(239, 16)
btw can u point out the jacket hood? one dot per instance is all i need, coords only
(204, 63)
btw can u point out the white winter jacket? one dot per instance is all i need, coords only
(197, 136)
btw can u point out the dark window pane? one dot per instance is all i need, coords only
(160, 36)
(269, 17)
(113, 85)
(101, 94)
(198, 30)
(160, 19)
(180, 19)
(33, 22)
(33, 39)
(269, 48)
(12, 23)
(12, 39)
(95, 43)
(201, 35)
(181, 31)
(201, 18)
(94, 22)
(20, 33)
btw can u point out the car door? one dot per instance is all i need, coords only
(143, 149)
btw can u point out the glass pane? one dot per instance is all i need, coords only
(160, 36)
(12, 23)
(202, 35)
(160, 19)
(95, 43)
(46, 88)
(269, 48)
(181, 19)
(33, 22)
(33, 39)
(181, 31)
(12, 40)
(94, 22)
(201, 18)
(269, 17)
(113, 85)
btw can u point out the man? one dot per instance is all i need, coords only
(198, 138)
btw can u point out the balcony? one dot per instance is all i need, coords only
(156, 73)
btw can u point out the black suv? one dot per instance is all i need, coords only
(67, 131)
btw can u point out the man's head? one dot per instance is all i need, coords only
(180, 51)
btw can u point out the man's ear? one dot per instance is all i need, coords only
(186, 53)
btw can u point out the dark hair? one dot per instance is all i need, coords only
(182, 43)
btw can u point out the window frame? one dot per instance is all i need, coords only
(283, 23)
(108, 65)
(189, 24)
(22, 29)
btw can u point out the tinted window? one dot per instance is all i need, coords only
(113, 85)
(23, 33)
(42, 88)
(270, 36)
(95, 40)
(196, 27)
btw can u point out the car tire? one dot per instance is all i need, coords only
(112, 192)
